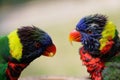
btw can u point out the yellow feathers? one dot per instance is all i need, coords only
(15, 45)
(107, 34)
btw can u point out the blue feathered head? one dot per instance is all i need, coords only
(95, 32)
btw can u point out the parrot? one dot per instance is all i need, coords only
(20, 47)
(100, 51)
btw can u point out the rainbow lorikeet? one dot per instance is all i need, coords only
(101, 46)
(20, 47)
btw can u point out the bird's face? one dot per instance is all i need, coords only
(92, 32)
(46, 45)
(35, 43)
(88, 37)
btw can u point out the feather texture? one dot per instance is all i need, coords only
(101, 47)
(19, 48)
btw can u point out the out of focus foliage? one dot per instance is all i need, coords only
(13, 2)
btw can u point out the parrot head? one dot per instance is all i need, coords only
(96, 34)
(28, 43)
(25, 45)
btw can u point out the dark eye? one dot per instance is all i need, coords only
(37, 44)
(77, 29)
(89, 31)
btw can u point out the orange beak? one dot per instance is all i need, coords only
(50, 51)
(75, 36)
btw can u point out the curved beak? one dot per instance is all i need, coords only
(50, 51)
(74, 36)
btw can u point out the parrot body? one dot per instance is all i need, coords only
(101, 46)
(19, 48)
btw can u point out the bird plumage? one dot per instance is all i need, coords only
(101, 44)
(19, 48)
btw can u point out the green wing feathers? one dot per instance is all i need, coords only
(4, 48)
(3, 71)
(4, 52)
(112, 71)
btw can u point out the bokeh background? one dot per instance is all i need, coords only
(57, 18)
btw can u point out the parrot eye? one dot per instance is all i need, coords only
(89, 31)
(37, 44)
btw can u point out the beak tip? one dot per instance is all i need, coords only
(71, 42)
(71, 38)
(51, 54)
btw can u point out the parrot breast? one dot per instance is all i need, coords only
(14, 70)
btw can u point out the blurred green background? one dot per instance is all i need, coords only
(58, 18)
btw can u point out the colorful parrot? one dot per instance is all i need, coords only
(101, 46)
(20, 47)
